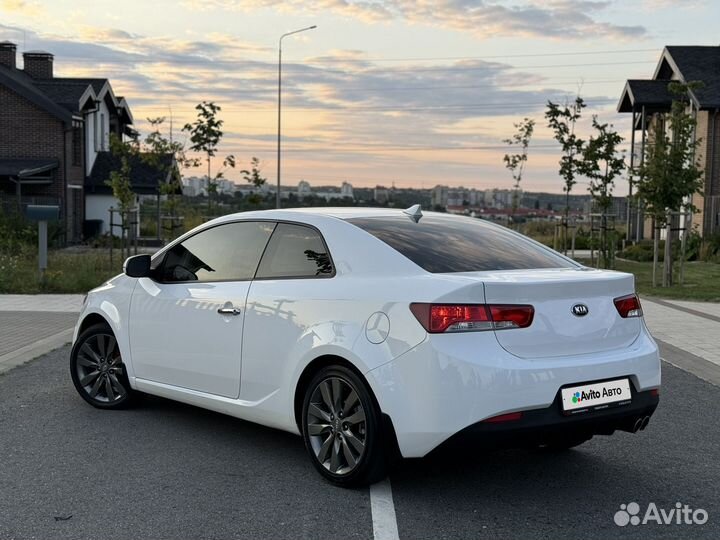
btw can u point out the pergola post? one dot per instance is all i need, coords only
(642, 162)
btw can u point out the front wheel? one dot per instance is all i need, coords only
(342, 429)
(97, 369)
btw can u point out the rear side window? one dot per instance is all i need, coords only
(229, 252)
(295, 251)
(442, 244)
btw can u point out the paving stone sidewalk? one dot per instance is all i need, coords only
(691, 326)
(33, 325)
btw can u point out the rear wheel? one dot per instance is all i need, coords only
(97, 369)
(342, 429)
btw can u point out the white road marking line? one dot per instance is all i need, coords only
(383, 511)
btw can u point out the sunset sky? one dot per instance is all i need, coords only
(415, 92)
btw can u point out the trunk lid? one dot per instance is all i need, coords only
(555, 330)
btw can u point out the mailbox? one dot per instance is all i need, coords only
(42, 212)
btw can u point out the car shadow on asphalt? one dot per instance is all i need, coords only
(252, 444)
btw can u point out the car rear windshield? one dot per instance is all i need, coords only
(442, 244)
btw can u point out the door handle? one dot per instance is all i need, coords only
(229, 311)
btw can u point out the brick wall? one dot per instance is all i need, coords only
(28, 132)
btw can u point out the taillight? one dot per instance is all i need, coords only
(511, 316)
(438, 318)
(628, 306)
(509, 417)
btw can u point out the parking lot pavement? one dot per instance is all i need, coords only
(162, 470)
(167, 470)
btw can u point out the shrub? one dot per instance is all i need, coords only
(640, 252)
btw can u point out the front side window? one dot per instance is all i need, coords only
(442, 244)
(229, 252)
(295, 251)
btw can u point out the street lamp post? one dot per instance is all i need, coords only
(277, 195)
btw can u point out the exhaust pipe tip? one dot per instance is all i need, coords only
(645, 422)
(637, 425)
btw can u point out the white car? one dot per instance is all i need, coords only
(373, 331)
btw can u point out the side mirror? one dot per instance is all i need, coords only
(137, 266)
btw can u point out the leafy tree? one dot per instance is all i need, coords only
(562, 121)
(515, 163)
(253, 177)
(602, 163)
(670, 173)
(205, 136)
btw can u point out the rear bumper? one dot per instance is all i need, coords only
(450, 383)
(544, 425)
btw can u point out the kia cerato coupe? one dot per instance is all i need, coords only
(373, 332)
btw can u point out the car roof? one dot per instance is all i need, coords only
(324, 214)
(336, 212)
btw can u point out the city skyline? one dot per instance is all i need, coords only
(380, 92)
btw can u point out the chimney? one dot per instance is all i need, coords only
(7, 54)
(38, 64)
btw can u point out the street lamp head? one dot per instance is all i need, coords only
(313, 27)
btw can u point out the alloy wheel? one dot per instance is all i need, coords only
(336, 425)
(99, 368)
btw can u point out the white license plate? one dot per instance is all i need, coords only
(596, 395)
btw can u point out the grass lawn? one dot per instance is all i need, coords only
(702, 280)
(68, 272)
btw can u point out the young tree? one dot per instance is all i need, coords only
(602, 163)
(562, 121)
(163, 154)
(515, 163)
(253, 177)
(205, 136)
(670, 173)
(119, 182)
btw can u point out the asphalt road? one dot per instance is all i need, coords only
(166, 470)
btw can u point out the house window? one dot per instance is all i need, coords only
(103, 142)
(77, 131)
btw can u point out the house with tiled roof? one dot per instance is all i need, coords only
(55, 141)
(648, 100)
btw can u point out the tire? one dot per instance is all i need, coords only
(559, 444)
(97, 370)
(347, 449)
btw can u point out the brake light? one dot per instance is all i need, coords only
(439, 318)
(629, 306)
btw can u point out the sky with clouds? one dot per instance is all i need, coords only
(415, 92)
